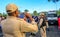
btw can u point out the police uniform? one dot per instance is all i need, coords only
(16, 27)
(43, 25)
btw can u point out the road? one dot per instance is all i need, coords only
(54, 32)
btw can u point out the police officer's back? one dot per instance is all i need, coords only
(16, 27)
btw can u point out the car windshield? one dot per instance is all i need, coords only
(52, 15)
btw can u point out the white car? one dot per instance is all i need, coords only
(52, 18)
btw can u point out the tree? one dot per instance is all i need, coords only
(35, 13)
(0, 14)
(26, 10)
(19, 11)
(49, 0)
(58, 12)
(54, 1)
(5, 15)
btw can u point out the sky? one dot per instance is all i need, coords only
(31, 5)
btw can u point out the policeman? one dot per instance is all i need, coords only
(16, 27)
(43, 24)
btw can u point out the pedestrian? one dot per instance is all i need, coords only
(43, 24)
(59, 22)
(3, 17)
(0, 24)
(13, 26)
(0, 19)
(29, 20)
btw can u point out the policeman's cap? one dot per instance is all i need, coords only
(42, 13)
(11, 8)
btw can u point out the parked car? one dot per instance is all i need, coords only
(52, 18)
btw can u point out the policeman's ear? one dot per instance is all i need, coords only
(17, 12)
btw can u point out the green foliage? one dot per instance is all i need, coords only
(38, 14)
(26, 10)
(0, 14)
(5, 15)
(49, 0)
(58, 12)
(53, 1)
(35, 13)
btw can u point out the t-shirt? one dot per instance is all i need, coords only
(35, 18)
(22, 15)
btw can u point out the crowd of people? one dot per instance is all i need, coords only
(17, 25)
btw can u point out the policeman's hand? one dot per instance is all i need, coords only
(28, 16)
(25, 18)
(33, 22)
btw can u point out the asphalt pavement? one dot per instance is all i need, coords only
(53, 32)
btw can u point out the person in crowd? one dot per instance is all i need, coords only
(0, 24)
(22, 16)
(59, 22)
(0, 19)
(43, 24)
(29, 20)
(3, 17)
(13, 26)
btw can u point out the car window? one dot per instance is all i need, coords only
(52, 15)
